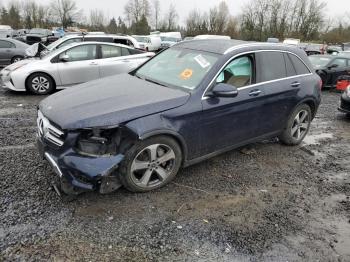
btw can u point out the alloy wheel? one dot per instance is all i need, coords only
(40, 84)
(300, 125)
(152, 165)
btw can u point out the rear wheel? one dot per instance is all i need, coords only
(40, 84)
(150, 164)
(298, 126)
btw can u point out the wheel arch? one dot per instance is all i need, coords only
(311, 103)
(172, 134)
(39, 72)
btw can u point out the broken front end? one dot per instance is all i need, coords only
(84, 159)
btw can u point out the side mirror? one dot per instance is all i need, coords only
(64, 58)
(333, 66)
(224, 90)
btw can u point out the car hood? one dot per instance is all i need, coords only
(20, 64)
(109, 102)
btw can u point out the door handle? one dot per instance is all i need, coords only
(295, 84)
(126, 61)
(93, 63)
(255, 92)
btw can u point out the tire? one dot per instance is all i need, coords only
(40, 84)
(298, 126)
(139, 174)
(16, 59)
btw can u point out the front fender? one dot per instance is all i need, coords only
(155, 125)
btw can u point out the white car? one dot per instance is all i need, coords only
(92, 37)
(73, 64)
(148, 42)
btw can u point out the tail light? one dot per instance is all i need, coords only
(320, 84)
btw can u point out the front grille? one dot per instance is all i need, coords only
(49, 132)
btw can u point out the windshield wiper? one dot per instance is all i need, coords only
(154, 82)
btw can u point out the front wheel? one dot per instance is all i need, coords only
(298, 126)
(40, 84)
(150, 164)
(16, 59)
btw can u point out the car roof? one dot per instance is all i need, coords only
(96, 43)
(98, 35)
(224, 46)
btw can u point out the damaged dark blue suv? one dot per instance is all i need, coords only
(190, 102)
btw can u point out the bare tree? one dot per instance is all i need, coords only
(66, 11)
(218, 18)
(136, 9)
(97, 20)
(172, 17)
(156, 12)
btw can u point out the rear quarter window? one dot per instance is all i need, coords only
(289, 65)
(299, 66)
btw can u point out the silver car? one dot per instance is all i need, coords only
(11, 51)
(71, 65)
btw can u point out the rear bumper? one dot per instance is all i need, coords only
(78, 173)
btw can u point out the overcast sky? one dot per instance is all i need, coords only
(116, 7)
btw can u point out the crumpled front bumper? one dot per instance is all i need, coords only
(78, 173)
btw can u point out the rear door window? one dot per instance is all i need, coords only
(299, 66)
(109, 51)
(271, 66)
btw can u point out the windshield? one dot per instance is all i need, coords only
(177, 67)
(319, 61)
(141, 39)
(38, 31)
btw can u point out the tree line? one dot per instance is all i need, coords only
(258, 20)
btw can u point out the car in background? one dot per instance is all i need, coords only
(273, 40)
(11, 51)
(206, 37)
(38, 35)
(330, 67)
(188, 38)
(148, 42)
(344, 106)
(71, 65)
(79, 37)
(314, 49)
(6, 31)
(334, 49)
(291, 41)
(344, 53)
(168, 41)
(190, 102)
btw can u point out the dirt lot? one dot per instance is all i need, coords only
(265, 202)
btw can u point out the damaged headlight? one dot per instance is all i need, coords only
(99, 142)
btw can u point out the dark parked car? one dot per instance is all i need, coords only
(38, 35)
(192, 101)
(345, 102)
(330, 68)
(11, 51)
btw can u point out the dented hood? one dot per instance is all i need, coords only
(109, 102)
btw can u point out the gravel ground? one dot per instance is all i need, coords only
(264, 202)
